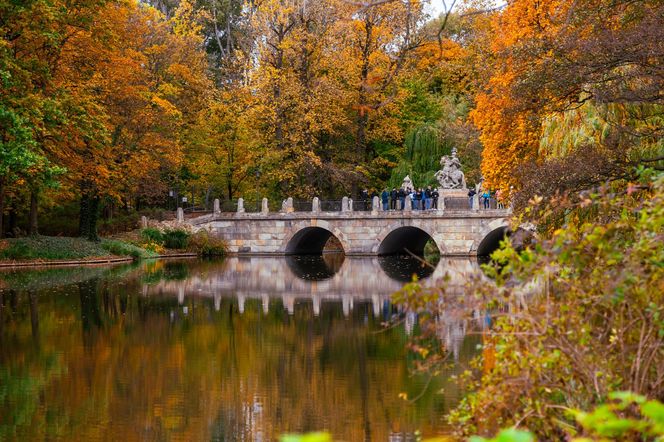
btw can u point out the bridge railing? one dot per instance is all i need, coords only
(290, 205)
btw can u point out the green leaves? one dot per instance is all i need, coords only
(509, 435)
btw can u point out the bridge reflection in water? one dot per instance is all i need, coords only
(320, 280)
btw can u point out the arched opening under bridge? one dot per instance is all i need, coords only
(491, 242)
(405, 240)
(313, 241)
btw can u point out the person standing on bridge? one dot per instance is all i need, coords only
(385, 197)
(427, 198)
(471, 195)
(434, 197)
(486, 196)
(402, 198)
(394, 195)
(364, 197)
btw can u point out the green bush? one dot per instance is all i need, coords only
(176, 239)
(150, 234)
(205, 244)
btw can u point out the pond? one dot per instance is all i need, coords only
(240, 349)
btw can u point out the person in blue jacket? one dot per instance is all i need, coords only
(385, 198)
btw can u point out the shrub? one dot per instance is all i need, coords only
(150, 234)
(586, 316)
(176, 239)
(205, 244)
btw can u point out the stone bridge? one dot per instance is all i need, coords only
(375, 232)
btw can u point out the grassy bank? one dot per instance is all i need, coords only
(54, 248)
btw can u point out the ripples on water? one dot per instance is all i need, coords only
(240, 349)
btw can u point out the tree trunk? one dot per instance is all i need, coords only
(2, 207)
(34, 213)
(84, 216)
(89, 213)
(13, 218)
(94, 216)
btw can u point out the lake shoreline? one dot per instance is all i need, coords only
(95, 261)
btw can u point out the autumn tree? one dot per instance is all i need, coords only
(555, 63)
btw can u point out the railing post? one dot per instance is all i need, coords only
(289, 205)
(476, 201)
(144, 222)
(408, 206)
(375, 205)
(240, 205)
(180, 215)
(265, 208)
(216, 206)
(315, 205)
(344, 204)
(350, 204)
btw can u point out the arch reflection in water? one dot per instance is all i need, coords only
(315, 267)
(403, 267)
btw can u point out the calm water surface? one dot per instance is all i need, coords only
(237, 350)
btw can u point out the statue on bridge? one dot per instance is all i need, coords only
(407, 184)
(451, 176)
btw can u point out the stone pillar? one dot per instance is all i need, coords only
(441, 203)
(344, 204)
(289, 205)
(265, 208)
(217, 206)
(144, 222)
(350, 204)
(180, 215)
(476, 201)
(240, 205)
(315, 205)
(408, 205)
(375, 205)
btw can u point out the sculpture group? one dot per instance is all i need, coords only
(449, 177)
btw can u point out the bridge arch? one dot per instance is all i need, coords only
(309, 238)
(490, 237)
(395, 239)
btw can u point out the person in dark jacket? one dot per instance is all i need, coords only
(471, 194)
(418, 199)
(402, 198)
(394, 195)
(364, 197)
(434, 199)
(427, 198)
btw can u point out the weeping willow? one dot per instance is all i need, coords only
(424, 145)
(640, 125)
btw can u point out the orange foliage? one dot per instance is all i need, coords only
(510, 132)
